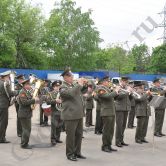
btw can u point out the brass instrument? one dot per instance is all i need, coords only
(156, 93)
(112, 86)
(32, 79)
(133, 91)
(101, 91)
(12, 76)
(58, 105)
(38, 85)
(158, 100)
(122, 89)
(12, 85)
(85, 81)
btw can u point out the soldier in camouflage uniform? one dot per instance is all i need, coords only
(56, 122)
(5, 96)
(25, 101)
(42, 93)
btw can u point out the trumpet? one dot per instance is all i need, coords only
(125, 90)
(82, 80)
(157, 92)
(132, 91)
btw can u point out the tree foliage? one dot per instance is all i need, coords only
(21, 26)
(71, 37)
(67, 38)
(115, 59)
(158, 59)
(141, 57)
(7, 51)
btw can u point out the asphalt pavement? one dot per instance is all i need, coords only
(43, 154)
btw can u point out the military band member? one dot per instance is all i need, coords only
(5, 96)
(99, 122)
(72, 114)
(159, 112)
(18, 86)
(56, 122)
(42, 93)
(123, 106)
(89, 106)
(132, 111)
(142, 113)
(106, 97)
(25, 101)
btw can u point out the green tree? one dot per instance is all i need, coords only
(7, 51)
(7, 48)
(115, 59)
(102, 59)
(71, 38)
(141, 57)
(158, 60)
(4, 15)
(25, 28)
(22, 25)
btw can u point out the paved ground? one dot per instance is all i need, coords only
(44, 155)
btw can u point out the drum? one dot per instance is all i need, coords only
(46, 109)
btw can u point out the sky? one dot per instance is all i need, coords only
(116, 20)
